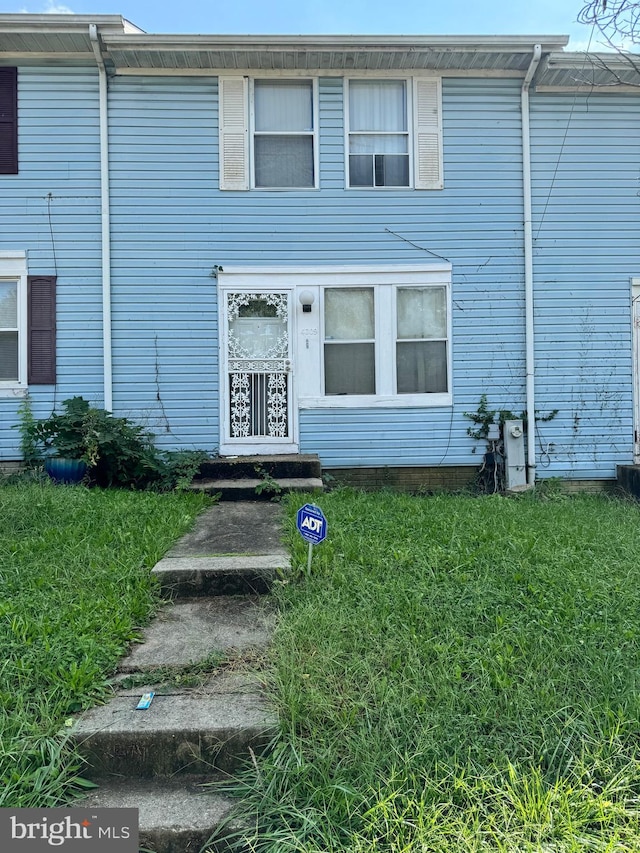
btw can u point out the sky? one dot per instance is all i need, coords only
(395, 17)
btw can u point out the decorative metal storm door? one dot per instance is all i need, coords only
(258, 367)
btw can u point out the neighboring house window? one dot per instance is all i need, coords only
(394, 133)
(8, 121)
(10, 371)
(27, 326)
(272, 144)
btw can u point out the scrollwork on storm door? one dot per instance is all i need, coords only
(258, 360)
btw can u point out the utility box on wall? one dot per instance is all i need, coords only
(515, 468)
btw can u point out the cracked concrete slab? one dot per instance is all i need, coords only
(190, 630)
(242, 527)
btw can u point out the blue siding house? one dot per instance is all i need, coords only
(331, 245)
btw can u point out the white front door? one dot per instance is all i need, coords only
(257, 376)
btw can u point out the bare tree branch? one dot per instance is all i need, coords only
(618, 25)
(615, 19)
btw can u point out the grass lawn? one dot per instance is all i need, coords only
(458, 674)
(74, 588)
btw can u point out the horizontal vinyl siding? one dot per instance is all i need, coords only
(164, 176)
(51, 209)
(171, 225)
(476, 224)
(585, 156)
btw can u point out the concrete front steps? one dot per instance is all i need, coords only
(169, 761)
(247, 478)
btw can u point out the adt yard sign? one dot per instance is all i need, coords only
(312, 524)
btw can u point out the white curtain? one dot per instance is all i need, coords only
(379, 105)
(422, 312)
(349, 314)
(283, 142)
(8, 305)
(283, 106)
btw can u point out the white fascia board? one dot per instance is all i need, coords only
(28, 23)
(379, 269)
(504, 44)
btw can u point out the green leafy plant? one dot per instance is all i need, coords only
(484, 418)
(267, 483)
(491, 476)
(117, 451)
(28, 442)
(180, 467)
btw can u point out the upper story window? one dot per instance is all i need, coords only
(394, 133)
(8, 121)
(378, 133)
(268, 131)
(283, 134)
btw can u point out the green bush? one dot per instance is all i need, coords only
(117, 451)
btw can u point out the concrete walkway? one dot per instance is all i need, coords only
(166, 761)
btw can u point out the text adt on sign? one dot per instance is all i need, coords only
(312, 525)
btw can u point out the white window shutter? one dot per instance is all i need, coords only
(427, 130)
(234, 133)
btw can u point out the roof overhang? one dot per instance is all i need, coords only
(32, 39)
(590, 71)
(27, 39)
(337, 54)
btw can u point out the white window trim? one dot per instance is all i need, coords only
(13, 267)
(411, 88)
(385, 344)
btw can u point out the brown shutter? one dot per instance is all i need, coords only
(41, 329)
(8, 121)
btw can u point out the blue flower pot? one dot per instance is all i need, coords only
(61, 470)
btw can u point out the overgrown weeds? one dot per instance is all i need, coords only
(458, 674)
(75, 588)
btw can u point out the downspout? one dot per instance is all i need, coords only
(105, 211)
(528, 269)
